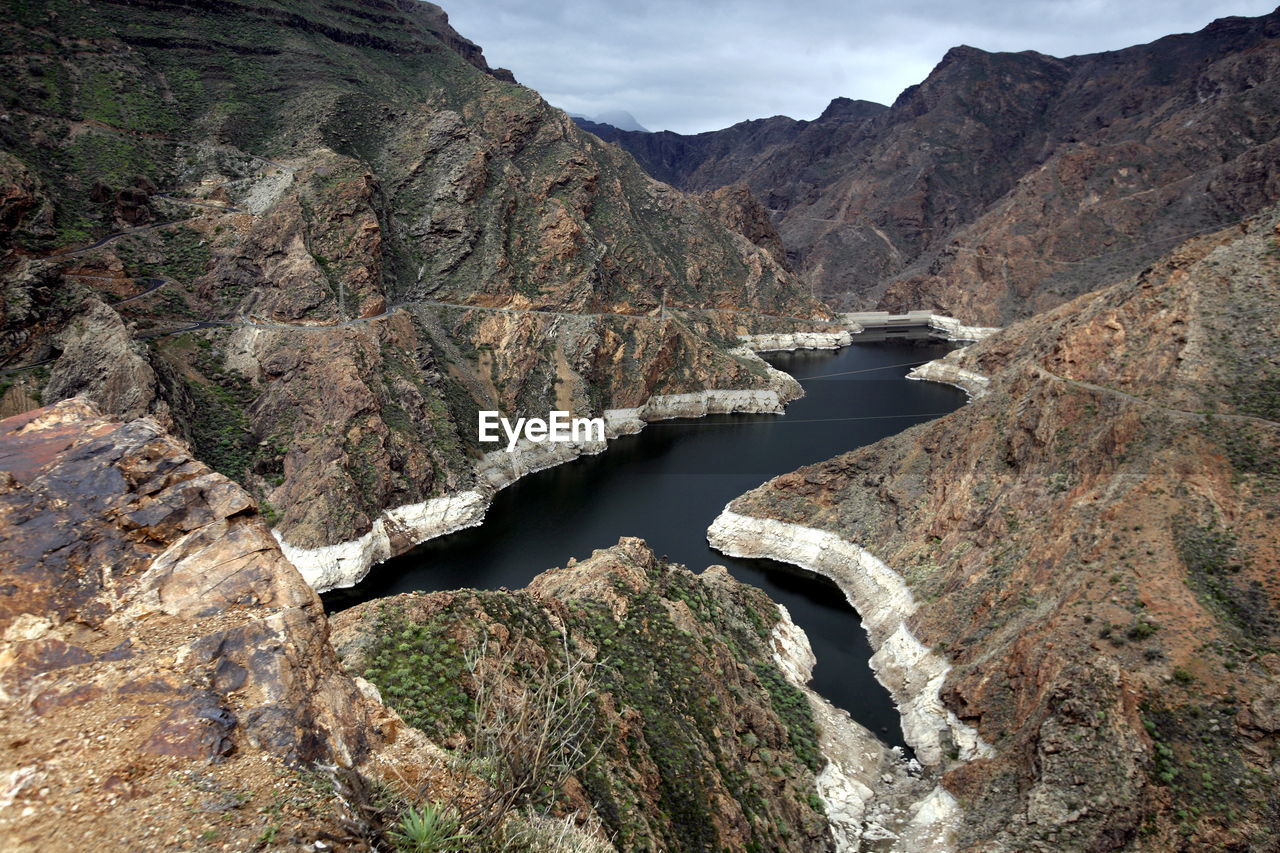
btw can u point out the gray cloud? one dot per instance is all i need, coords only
(695, 66)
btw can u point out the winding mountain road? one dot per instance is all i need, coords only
(98, 244)
(1115, 392)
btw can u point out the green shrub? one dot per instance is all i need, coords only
(432, 829)
(1142, 629)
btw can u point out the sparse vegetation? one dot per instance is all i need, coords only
(269, 513)
(220, 428)
(1195, 756)
(1215, 567)
(793, 708)
(432, 828)
(419, 669)
(532, 711)
(1142, 629)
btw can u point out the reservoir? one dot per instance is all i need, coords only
(668, 483)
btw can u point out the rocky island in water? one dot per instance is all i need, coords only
(266, 266)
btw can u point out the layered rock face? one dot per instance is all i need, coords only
(740, 211)
(1006, 184)
(368, 237)
(1090, 546)
(166, 677)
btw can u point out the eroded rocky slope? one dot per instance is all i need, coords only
(1091, 546)
(367, 236)
(692, 728)
(1008, 183)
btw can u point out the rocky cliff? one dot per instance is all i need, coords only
(316, 238)
(1008, 183)
(166, 678)
(1080, 567)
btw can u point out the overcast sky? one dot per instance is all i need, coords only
(706, 64)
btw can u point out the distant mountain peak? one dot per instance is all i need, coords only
(849, 108)
(963, 51)
(1015, 156)
(621, 119)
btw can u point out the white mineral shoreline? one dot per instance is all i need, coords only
(397, 530)
(947, 370)
(792, 341)
(870, 792)
(855, 757)
(910, 670)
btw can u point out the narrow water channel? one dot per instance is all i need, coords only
(666, 485)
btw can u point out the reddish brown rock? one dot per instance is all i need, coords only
(157, 650)
(1093, 547)
(740, 211)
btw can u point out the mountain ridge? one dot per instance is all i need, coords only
(318, 263)
(989, 190)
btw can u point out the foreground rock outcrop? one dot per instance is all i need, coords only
(1088, 554)
(166, 678)
(1007, 183)
(696, 730)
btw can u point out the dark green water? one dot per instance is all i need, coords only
(670, 481)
